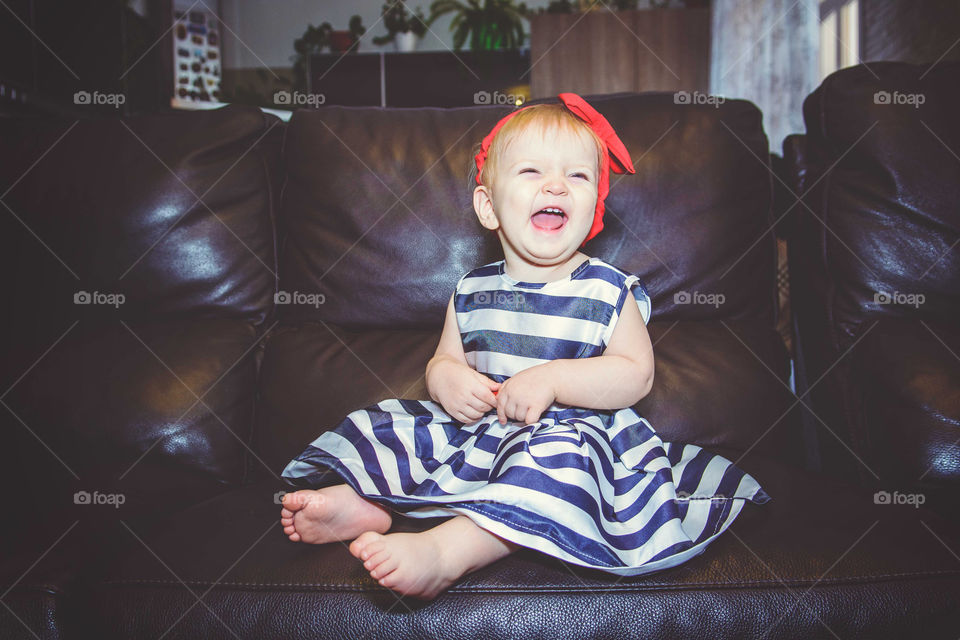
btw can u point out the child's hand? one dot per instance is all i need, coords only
(525, 396)
(465, 394)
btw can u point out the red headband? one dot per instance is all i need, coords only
(612, 145)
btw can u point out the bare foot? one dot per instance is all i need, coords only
(424, 564)
(330, 514)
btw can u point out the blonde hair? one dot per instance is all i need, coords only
(545, 117)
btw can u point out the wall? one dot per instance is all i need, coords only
(910, 30)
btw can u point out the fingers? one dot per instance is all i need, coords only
(509, 409)
(484, 397)
(531, 416)
(490, 383)
(467, 414)
(459, 416)
(490, 387)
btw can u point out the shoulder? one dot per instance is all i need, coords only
(598, 269)
(479, 275)
(624, 282)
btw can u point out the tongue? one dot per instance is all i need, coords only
(546, 220)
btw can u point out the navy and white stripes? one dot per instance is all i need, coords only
(595, 488)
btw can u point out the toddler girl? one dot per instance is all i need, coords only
(530, 440)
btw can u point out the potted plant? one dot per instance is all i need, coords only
(344, 41)
(403, 26)
(494, 24)
(313, 40)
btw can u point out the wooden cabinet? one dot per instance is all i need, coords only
(607, 51)
(421, 79)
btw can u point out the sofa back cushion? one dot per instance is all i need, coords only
(379, 223)
(171, 212)
(140, 269)
(883, 141)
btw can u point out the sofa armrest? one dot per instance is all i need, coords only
(905, 392)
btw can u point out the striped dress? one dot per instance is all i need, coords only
(596, 488)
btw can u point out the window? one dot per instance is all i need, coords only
(839, 35)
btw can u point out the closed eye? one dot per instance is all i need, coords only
(529, 170)
(580, 174)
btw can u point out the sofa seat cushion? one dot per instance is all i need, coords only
(45, 561)
(313, 375)
(794, 567)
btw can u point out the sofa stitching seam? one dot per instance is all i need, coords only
(616, 587)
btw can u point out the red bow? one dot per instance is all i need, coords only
(612, 145)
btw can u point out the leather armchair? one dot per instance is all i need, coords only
(875, 277)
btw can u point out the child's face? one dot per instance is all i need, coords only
(543, 195)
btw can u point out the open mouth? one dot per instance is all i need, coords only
(549, 219)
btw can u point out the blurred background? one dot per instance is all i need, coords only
(134, 56)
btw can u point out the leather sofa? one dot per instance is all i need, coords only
(875, 277)
(275, 276)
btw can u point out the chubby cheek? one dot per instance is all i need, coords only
(517, 207)
(587, 202)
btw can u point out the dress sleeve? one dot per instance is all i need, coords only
(642, 297)
(632, 288)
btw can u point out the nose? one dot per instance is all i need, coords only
(554, 185)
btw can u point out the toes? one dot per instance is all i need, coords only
(291, 502)
(295, 536)
(391, 580)
(374, 559)
(356, 547)
(364, 539)
(286, 513)
(381, 565)
(361, 548)
(299, 499)
(371, 549)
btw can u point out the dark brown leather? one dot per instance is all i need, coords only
(881, 181)
(378, 210)
(314, 375)
(909, 408)
(796, 567)
(822, 558)
(104, 397)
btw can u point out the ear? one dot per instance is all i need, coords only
(483, 206)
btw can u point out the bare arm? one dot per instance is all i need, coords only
(619, 378)
(463, 392)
